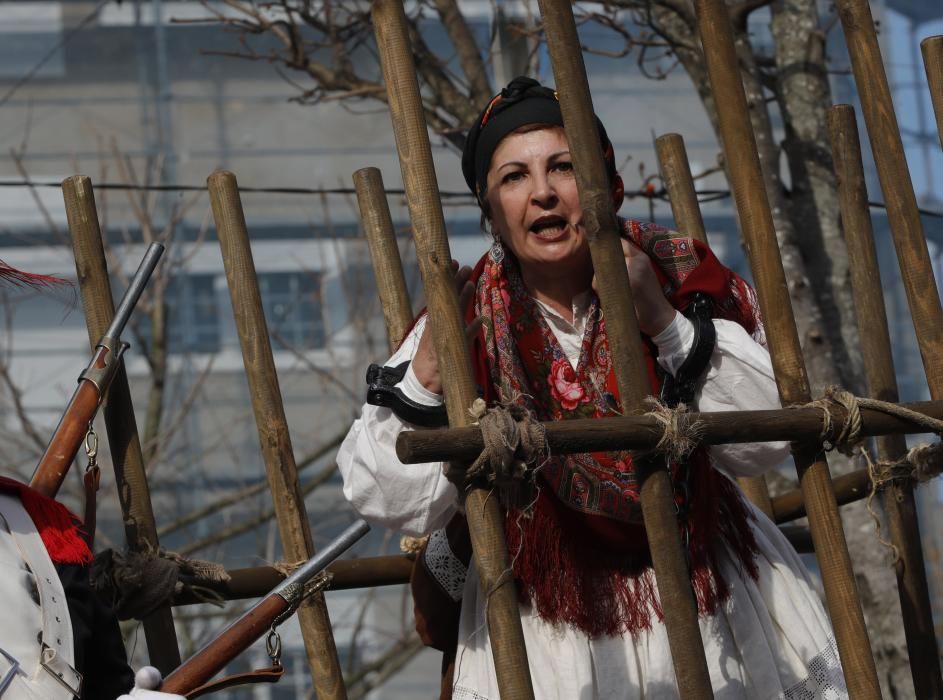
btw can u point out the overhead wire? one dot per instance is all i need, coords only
(704, 196)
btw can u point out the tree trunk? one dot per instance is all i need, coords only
(804, 96)
(820, 362)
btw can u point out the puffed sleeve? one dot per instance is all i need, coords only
(739, 378)
(413, 498)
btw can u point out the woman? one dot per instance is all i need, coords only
(590, 611)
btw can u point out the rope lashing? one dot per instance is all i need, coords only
(513, 440)
(919, 464)
(679, 438)
(844, 437)
(141, 582)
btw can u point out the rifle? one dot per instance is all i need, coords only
(281, 603)
(92, 385)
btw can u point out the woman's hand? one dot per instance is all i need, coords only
(653, 310)
(425, 364)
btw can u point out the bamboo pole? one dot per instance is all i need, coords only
(485, 520)
(602, 231)
(118, 410)
(387, 265)
(644, 432)
(902, 213)
(676, 173)
(932, 48)
(898, 498)
(756, 221)
(290, 513)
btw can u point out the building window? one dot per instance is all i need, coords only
(192, 314)
(293, 309)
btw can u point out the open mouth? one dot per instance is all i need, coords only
(549, 226)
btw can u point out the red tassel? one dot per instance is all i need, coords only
(595, 573)
(58, 527)
(28, 279)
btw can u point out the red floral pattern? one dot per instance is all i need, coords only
(564, 385)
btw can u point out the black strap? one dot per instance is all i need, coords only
(681, 387)
(382, 391)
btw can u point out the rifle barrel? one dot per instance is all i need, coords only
(257, 620)
(135, 288)
(320, 560)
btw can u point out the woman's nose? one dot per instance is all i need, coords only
(544, 193)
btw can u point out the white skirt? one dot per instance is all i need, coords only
(772, 639)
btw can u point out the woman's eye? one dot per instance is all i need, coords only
(563, 166)
(513, 176)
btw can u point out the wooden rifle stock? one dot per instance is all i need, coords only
(93, 383)
(281, 602)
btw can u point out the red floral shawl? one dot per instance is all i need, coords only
(579, 550)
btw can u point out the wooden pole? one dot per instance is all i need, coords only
(277, 453)
(124, 442)
(676, 173)
(902, 213)
(602, 231)
(485, 519)
(757, 225)
(898, 498)
(255, 582)
(644, 432)
(848, 488)
(932, 48)
(387, 265)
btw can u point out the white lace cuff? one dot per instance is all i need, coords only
(447, 569)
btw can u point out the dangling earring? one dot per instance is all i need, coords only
(496, 252)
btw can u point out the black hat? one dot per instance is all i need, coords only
(524, 101)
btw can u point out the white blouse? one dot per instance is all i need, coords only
(772, 638)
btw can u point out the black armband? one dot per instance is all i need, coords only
(680, 388)
(382, 391)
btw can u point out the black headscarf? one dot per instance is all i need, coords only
(524, 101)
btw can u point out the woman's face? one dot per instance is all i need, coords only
(533, 200)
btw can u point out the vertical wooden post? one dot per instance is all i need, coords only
(387, 265)
(898, 498)
(932, 48)
(757, 224)
(602, 231)
(902, 213)
(277, 453)
(485, 519)
(123, 440)
(676, 173)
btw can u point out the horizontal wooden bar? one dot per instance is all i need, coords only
(255, 582)
(644, 432)
(368, 572)
(848, 488)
